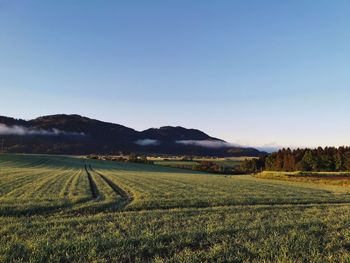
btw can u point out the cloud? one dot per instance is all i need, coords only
(207, 143)
(147, 142)
(24, 131)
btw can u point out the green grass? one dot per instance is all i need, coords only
(325, 178)
(62, 209)
(178, 163)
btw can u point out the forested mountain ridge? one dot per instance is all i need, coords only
(75, 134)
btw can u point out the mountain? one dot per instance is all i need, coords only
(169, 133)
(75, 134)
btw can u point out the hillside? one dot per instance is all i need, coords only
(75, 134)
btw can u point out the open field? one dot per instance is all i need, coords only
(63, 209)
(326, 178)
(177, 162)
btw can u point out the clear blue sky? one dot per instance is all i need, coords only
(250, 72)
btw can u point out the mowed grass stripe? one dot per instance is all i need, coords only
(53, 186)
(22, 179)
(80, 187)
(39, 162)
(64, 193)
(32, 189)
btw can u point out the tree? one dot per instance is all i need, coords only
(339, 161)
(270, 162)
(279, 161)
(307, 161)
(288, 161)
(347, 161)
(301, 166)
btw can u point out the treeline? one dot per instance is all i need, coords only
(321, 159)
(212, 167)
(252, 165)
(247, 166)
(329, 159)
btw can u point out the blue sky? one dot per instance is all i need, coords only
(251, 72)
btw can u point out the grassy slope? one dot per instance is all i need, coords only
(158, 213)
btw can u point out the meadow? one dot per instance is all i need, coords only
(178, 162)
(70, 209)
(326, 178)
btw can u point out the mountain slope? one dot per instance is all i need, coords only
(169, 133)
(75, 123)
(75, 134)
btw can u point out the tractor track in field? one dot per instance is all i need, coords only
(93, 187)
(127, 198)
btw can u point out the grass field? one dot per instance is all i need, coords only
(326, 178)
(65, 209)
(176, 162)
